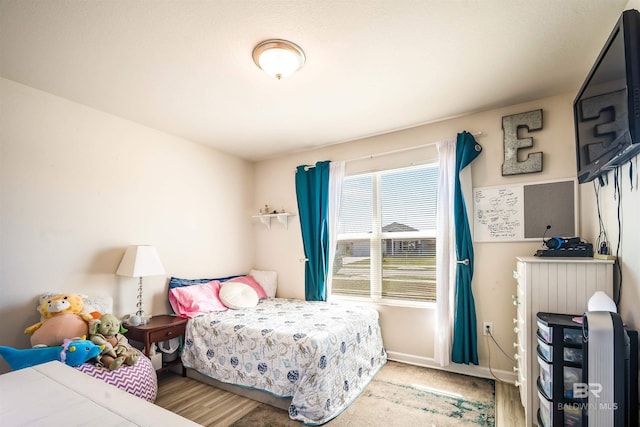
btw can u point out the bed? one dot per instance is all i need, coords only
(54, 394)
(319, 356)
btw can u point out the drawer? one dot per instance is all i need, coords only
(167, 333)
(522, 316)
(522, 344)
(573, 354)
(522, 359)
(572, 415)
(571, 335)
(546, 411)
(545, 350)
(521, 350)
(569, 354)
(520, 292)
(570, 376)
(545, 379)
(546, 332)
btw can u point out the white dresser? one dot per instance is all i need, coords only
(553, 285)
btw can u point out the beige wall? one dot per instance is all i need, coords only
(408, 333)
(629, 251)
(78, 185)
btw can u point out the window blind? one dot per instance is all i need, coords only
(387, 229)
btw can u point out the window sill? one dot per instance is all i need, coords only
(385, 302)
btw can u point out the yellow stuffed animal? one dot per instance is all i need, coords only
(62, 319)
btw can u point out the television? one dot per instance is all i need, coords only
(607, 108)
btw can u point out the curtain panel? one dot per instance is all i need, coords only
(336, 177)
(465, 349)
(445, 252)
(312, 193)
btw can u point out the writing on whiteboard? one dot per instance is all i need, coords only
(498, 213)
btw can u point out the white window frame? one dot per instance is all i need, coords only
(375, 239)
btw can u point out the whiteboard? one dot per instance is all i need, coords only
(522, 212)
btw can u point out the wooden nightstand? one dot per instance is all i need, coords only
(160, 328)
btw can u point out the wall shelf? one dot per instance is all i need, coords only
(282, 217)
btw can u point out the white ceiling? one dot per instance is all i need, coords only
(185, 67)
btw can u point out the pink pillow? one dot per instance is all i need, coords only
(249, 280)
(192, 301)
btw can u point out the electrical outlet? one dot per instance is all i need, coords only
(487, 327)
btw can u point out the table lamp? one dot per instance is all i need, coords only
(140, 261)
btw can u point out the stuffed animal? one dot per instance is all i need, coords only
(62, 318)
(108, 331)
(72, 352)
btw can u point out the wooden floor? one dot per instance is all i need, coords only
(210, 406)
(199, 402)
(509, 410)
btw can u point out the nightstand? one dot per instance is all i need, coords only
(160, 328)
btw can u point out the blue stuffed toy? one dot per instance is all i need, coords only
(73, 352)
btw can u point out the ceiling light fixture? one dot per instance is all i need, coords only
(278, 58)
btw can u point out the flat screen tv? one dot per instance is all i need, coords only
(607, 108)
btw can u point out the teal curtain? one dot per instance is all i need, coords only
(465, 349)
(312, 192)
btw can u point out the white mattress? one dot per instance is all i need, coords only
(53, 394)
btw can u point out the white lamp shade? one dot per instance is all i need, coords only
(279, 63)
(278, 58)
(140, 261)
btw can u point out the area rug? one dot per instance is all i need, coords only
(404, 395)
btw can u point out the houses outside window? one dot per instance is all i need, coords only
(387, 235)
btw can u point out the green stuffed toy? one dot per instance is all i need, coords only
(107, 331)
(73, 352)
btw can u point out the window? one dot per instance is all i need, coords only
(387, 235)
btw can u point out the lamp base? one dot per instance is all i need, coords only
(140, 312)
(136, 320)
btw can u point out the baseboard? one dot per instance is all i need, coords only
(473, 370)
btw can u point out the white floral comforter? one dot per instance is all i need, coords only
(320, 354)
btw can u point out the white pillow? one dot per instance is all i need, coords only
(267, 279)
(238, 295)
(101, 304)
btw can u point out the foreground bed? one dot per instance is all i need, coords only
(319, 355)
(53, 394)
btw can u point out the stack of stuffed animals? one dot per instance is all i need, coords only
(62, 332)
(62, 317)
